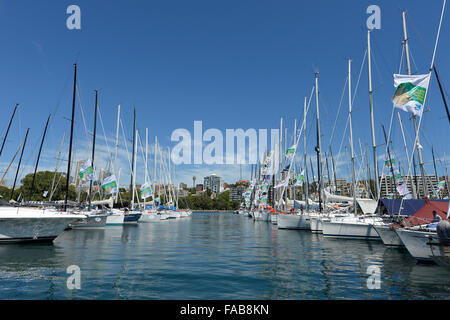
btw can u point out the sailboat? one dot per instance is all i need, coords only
(352, 226)
(94, 218)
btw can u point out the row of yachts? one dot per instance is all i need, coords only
(421, 241)
(45, 223)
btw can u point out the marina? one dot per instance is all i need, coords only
(319, 182)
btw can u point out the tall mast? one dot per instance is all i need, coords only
(146, 158)
(434, 163)
(319, 157)
(117, 138)
(93, 145)
(71, 137)
(442, 92)
(391, 165)
(134, 169)
(305, 189)
(374, 145)
(132, 160)
(154, 172)
(334, 170)
(20, 161)
(351, 132)
(419, 149)
(407, 154)
(7, 130)
(38, 157)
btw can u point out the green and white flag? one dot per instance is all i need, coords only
(441, 184)
(146, 190)
(290, 151)
(109, 185)
(86, 172)
(411, 92)
(388, 163)
(299, 180)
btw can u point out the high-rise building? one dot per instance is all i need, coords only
(213, 183)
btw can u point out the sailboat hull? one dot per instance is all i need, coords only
(416, 242)
(349, 230)
(262, 216)
(388, 235)
(294, 221)
(33, 228)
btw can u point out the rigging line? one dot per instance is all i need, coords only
(359, 78)
(125, 142)
(414, 61)
(106, 140)
(338, 112)
(86, 132)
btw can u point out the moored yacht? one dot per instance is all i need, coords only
(19, 224)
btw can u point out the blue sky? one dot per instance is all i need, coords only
(231, 64)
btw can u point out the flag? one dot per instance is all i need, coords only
(299, 180)
(290, 151)
(146, 190)
(388, 163)
(411, 92)
(45, 194)
(282, 183)
(402, 189)
(268, 167)
(86, 172)
(390, 196)
(109, 185)
(441, 184)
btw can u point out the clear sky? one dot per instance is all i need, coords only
(231, 64)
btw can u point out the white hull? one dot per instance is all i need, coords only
(91, 221)
(416, 243)
(262, 216)
(274, 218)
(150, 217)
(389, 236)
(316, 224)
(349, 230)
(294, 221)
(29, 225)
(115, 219)
(174, 215)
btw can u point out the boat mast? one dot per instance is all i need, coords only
(351, 133)
(154, 174)
(319, 157)
(442, 92)
(93, 146)
(132, 160)
(374, 146)
(419, 149)
(117, 148)
(334, 170)
(71, 137)
(407, 154)
(20, 161)
(134, 170)
(391, 165)
(305, 189)
(38, 157)
(58, 158)
(7, 130)
(146, 158)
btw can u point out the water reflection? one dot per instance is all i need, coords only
(213, 256)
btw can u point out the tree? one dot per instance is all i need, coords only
(43, 182)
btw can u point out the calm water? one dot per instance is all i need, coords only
(213, 256)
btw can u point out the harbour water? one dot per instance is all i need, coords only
(213, 256)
